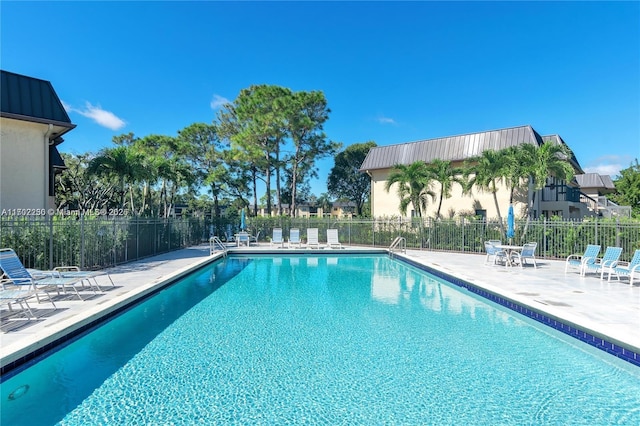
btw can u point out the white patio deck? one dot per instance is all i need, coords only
(604, 309)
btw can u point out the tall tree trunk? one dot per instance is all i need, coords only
(440, 202)
(494, 191)
(255, 187)
(216, 206)
(278, 189)
(133, 208)
(267, 174)
(530, 207)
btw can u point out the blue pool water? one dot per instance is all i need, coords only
(322, 340)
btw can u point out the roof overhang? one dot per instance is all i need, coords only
(60, 127)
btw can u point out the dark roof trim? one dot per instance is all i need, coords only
(68, 126)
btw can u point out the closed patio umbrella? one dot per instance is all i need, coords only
(510, 223)
(242, 224)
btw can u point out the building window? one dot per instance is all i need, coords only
(481, 214)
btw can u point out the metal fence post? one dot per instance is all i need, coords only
(82, 264)
(544, 238)
(464, 247)
(373, 233)
(51, 242)
(137, 237)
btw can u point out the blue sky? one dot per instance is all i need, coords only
(392, 72)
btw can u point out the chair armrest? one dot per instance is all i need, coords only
(72, 268)
(38, 274)
(22, 281)
(586, 260)
(6, 282)
(609, 263)
(573, 256)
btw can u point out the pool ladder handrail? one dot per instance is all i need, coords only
(398, 243)
(215, 242)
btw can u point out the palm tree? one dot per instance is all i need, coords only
(442, 172)
(549, 159)
(488, 169)
(413, 185)
(123, 163)
(517, 163)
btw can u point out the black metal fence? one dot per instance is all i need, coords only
(556, 238)
(44, 242)
(98, 242)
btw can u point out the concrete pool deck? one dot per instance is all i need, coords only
(610, 310)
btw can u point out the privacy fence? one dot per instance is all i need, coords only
(94, 242)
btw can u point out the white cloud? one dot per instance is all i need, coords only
(386, 120)
(96, 113)
(218, 101)
(608, 165)
(66, 106)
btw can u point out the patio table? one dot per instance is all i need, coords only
(509, 249)
(242, 238)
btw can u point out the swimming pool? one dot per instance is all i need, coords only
(322, 339)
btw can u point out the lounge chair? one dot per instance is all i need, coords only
(15, 271)
(76, 272)
(579, 260)
(312, 238)
(332, 239)
(528, 252)
(608, 260)
(276, 239)
(631, 269)
(495, 252)
(11, 294)
(294, 238)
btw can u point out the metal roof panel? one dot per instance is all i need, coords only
(31, 97)
(452, 148)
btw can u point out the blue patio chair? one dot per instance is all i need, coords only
(495, 252)
(528, 252)
(294, 238)
(15, 271)
(579, 260)
(608, 260)
(631, 269)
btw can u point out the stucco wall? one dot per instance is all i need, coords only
(385, 203)
(23, 175)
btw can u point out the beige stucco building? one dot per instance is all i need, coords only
(32, 121)
(557, 198)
